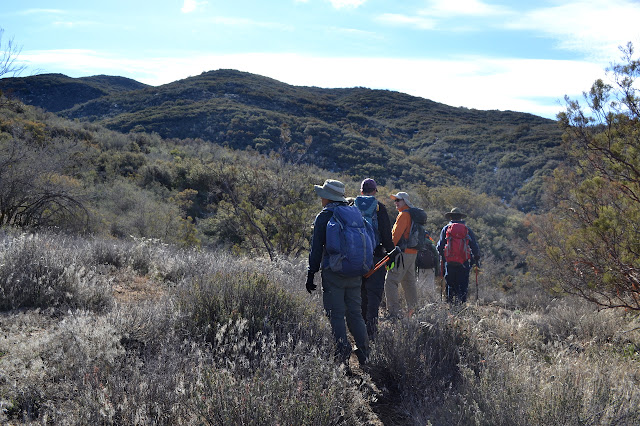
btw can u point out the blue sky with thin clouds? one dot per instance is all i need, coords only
(507, 55)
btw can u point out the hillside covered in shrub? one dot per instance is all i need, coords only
(390, 136)
(81, 177)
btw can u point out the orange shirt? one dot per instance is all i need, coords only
(402, 227)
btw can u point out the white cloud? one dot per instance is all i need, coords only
(534, 86)
(592, 27)
(342, 4)
(63, 24)
(40, 12)
(448, 8)
(191, 5)
(370, 35)
(429, 17)
(81, 61)
(418, 22)
(246, 22)
(75, 24)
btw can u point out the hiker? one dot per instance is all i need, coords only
(372, 289)
(404, 271)
(340, 293)
(459, 252)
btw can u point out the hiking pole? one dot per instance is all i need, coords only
(382, 262)
(476, 283)
(442, 282)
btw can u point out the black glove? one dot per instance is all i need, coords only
(310, 285)
(393, 258)
(393, 254)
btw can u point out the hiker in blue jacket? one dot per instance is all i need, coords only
(456, 274)
(372, 289)
(340, 293)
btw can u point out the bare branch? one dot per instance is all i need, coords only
(9, 53)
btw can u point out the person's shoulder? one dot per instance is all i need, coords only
(331, 207)
(326, 211)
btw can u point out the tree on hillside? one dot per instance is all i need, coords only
(9, 53)
(589, 243)
(34, 191)
(266, 207)
(37, 187)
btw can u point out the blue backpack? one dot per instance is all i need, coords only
(349, 244)
(368, 206)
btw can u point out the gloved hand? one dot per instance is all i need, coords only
(393, 258)
(310, 285)
(393, 254)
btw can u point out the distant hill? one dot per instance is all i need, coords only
(57, 92)
(391, 136)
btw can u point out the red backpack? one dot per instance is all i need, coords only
(456, 250)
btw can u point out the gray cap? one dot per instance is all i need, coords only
(402, 196)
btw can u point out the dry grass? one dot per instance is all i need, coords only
(113, 332)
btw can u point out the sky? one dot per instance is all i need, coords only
(522, 55)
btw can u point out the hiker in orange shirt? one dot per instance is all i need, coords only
(404, 271)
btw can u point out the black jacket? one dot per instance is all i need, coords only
(384, 227)
(319, 237)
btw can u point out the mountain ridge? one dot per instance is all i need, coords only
(363, 132)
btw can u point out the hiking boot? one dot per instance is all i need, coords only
(362, 357)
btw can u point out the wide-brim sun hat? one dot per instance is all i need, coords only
(455, 212)
(332, 190)
(402, 196)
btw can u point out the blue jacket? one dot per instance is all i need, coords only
(384, 224)
(473, 243)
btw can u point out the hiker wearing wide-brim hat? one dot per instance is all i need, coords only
(332, 190)
(455, 213)
(459, 250)
(340, 291)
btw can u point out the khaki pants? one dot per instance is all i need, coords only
(404, 273)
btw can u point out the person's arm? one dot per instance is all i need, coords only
(473, 245)
(384, 227)
(318, 240)
(442, 241)
(401, 227)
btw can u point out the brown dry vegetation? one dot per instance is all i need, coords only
(114, 332)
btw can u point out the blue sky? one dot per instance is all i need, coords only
(486, 54)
